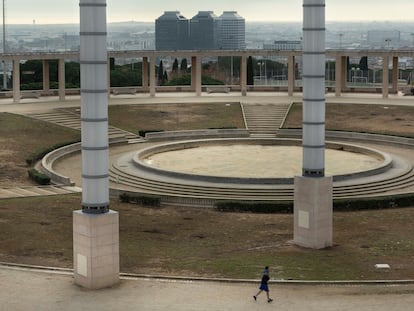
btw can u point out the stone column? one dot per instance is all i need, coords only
(394, 89)
(152, 76)
(95, 227)
(62, 79)
(243, 75)
(145, 73)
(338, 75)
(313, 190)
(194, 73)
(344, 73)
(385, 76)
(108, 76)
(16, 80)
(46, 76)
(291, 74)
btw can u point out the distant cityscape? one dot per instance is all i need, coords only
(258, 35)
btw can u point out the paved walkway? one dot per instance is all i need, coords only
(29, 290)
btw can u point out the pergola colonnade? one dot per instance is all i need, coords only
(149, 59)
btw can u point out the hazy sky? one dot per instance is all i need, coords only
(67, 11)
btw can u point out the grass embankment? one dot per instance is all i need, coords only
(20, 137)
(174, 117)
(377, 119)
(205, 242)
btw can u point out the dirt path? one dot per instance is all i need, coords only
(27, 290)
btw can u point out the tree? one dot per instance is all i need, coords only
(160, 73)
(175, 66)
(250, 73)
(184, 65)
(363, 63)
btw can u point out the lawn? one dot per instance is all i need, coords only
(19, 138)
(379, 119)
(205, 242)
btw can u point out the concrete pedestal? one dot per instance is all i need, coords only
(96, 249)
(313, 212)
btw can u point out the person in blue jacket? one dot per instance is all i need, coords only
(264, 287)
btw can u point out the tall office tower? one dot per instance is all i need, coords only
(172, 32)
(95, 227)
(313, 190)
(204, 31)
(232, 29)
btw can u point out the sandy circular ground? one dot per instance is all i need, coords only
(255, 161)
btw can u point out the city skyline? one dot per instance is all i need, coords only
(67, 12)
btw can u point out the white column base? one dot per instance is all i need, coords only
(96, 249)
(313, 212)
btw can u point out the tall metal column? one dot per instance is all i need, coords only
(313, 191)
(95, 227)
(313, 88)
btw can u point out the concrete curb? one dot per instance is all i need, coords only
(132, 276)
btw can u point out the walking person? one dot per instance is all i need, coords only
(264, 285)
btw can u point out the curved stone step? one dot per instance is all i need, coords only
(167, 187)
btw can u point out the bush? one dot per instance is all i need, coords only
(146, 200)
(36, 156)
(347, 205)
(38, 177)
(403, 200)
(255, 207)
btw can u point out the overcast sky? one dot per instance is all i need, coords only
(67, 11)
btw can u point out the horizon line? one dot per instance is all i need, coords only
(247, 21)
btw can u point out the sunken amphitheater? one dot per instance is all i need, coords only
(258, 163)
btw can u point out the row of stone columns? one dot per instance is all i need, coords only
(341, 75)
(149, 82)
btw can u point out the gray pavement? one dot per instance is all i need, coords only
(33, 290)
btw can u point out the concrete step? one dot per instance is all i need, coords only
(18, 192)
(165, 186)
(264, 118)
(70, 119)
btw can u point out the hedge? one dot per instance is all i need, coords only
(38, 177)
(357, 204)
(147, 200)
(36, 156)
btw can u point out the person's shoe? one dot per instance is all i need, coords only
(255, 298)
(270, 300)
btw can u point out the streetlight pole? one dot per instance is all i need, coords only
(340, 40)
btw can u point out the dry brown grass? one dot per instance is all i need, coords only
(172, 117)
(391, 120)
(204, 242)
(20, 137)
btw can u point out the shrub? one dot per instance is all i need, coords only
(38, 177)
(146, 200)
(36, 156)
(255, 207)
(343, 205)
